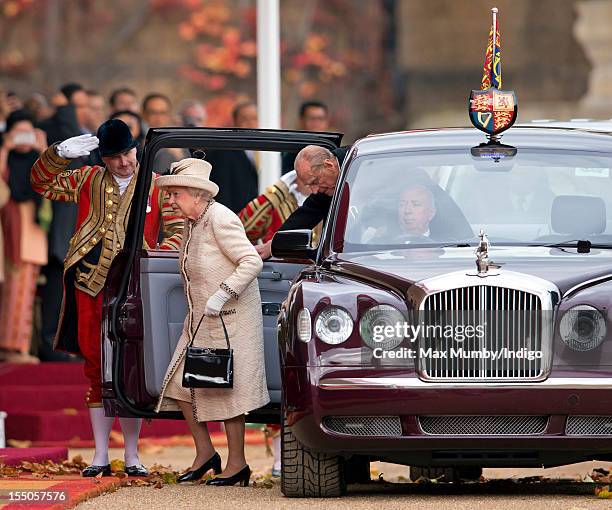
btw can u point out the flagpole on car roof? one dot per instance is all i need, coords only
(494, 10)
(268, 84)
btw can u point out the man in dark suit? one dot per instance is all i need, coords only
(235, 172)
(323, 168)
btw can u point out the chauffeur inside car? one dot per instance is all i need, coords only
(416, 208)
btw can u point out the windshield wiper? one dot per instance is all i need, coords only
(582, 245)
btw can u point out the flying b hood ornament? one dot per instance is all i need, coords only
(491, 109)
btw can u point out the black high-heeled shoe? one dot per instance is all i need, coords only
(242, 477)
(93, 471)
(213, 463)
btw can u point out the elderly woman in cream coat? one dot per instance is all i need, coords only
(219, 267)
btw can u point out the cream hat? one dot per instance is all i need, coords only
(189, 173)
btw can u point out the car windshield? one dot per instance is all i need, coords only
(434, 198)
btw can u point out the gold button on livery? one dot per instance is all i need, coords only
(83, 250)
(109, 189)
(109, 202)
(118, 246)
(93, 240)
(102, 230)
(109, 216)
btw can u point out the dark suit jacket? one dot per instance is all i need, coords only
(309, 214)
(236, 177)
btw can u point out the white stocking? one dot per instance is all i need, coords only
(131, 429)
(276, 448)
(101, 426)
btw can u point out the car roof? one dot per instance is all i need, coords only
(587, 124)
(578, 138)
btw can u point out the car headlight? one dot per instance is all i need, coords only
(374, 322)
(304, 325)
(583, 328)
(334, 325)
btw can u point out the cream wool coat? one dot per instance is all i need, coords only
(217, 254)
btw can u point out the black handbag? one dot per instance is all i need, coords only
(208, 367)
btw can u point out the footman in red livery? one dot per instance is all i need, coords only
(104, 198)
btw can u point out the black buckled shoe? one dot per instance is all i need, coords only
(213, 463)
(137, 470)
(242, 477)
(93, 471)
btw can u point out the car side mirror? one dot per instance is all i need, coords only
(294, 245)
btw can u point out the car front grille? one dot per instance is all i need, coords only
(386, 426)
(513, 322)
(589, 426)
(483, 425)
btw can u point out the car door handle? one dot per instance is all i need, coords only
(271, 275)
(270, 309)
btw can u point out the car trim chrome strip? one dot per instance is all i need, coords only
(586, 284)
(407, 383)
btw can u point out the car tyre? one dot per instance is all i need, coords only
(446, 474)
(306, 473)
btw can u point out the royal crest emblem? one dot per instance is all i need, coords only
(492, 110)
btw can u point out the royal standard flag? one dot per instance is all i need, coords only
(491, 76)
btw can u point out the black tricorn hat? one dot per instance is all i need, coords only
(115, 137)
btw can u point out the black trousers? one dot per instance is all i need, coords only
(51, 305)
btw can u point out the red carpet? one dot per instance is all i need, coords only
(15, 456)
(70, 490)
(46, 407)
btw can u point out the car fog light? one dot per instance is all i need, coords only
(583, 328)
(334, 325)
(304, 325)
(374, 327)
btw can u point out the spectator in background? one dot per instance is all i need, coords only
(61, 125)
(235, 172)
(157, 112)
(14, 101)
(192, 114)
(39, 107)
(4, 113)
(4, 198)
(122, 99)
(26, 242)
(97, 111)
(134, 122)
(9, 102)
(75, 95)
(314, 116)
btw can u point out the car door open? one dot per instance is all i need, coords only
(144, 304)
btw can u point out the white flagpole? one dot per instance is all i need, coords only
(268, 83)
(494, 11)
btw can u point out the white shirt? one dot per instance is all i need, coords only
(289, 180)
(122, 182)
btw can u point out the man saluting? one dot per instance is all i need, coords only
(104, 196)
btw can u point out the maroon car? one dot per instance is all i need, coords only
(453, 316)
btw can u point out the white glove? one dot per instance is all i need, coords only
(77, 146)
(215, 303)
